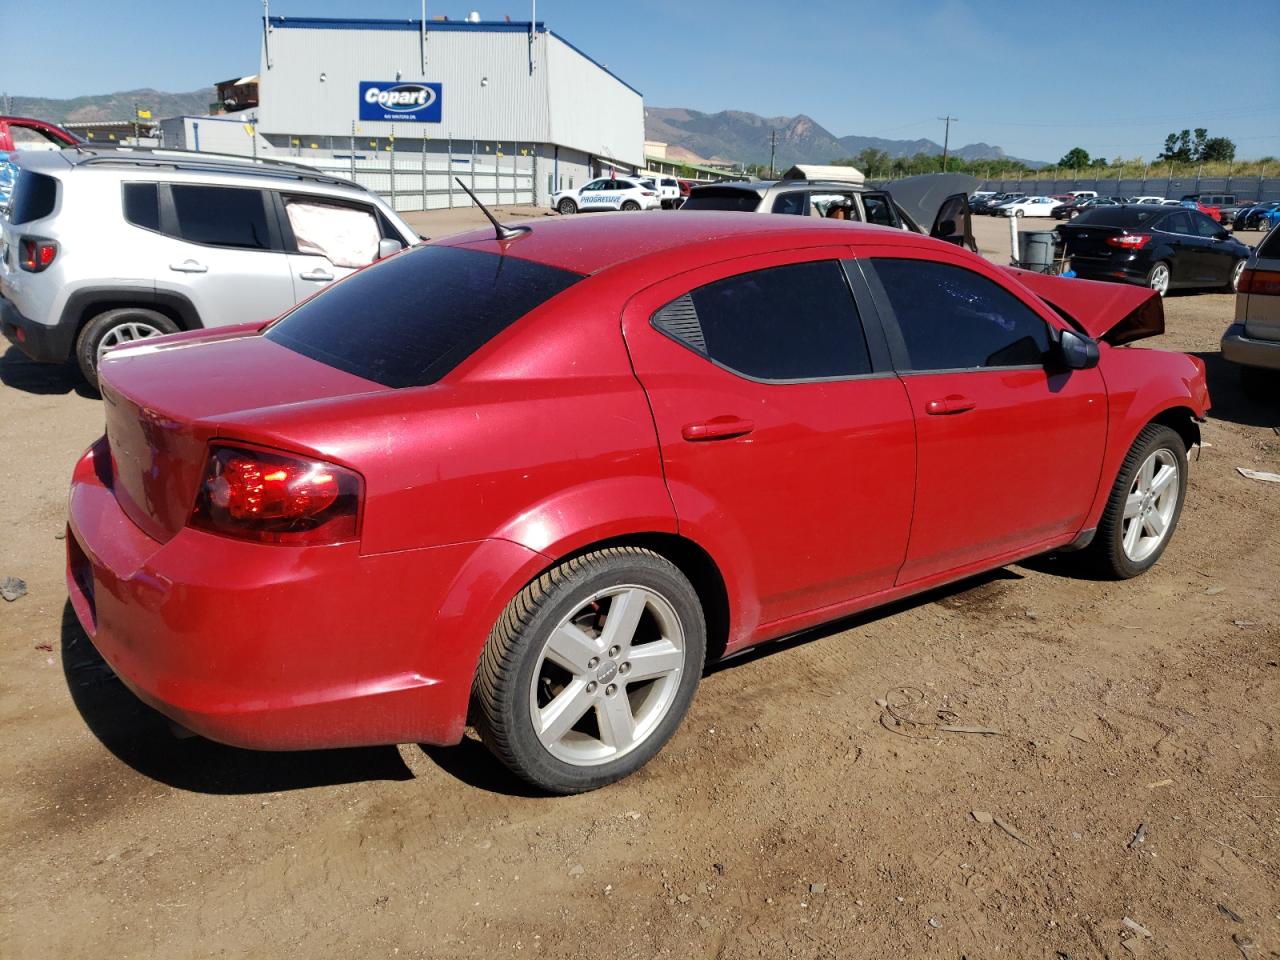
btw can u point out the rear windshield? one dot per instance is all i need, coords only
(34, 197)
(1109, 216)
(723, 198)
(409, 321)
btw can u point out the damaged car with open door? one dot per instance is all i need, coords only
(935, 204)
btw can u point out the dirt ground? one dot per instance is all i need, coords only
(785, 819)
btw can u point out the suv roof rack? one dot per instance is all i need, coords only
(204, 162)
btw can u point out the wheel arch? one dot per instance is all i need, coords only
(85, 304)
(1182, 420)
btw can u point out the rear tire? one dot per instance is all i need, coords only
(555, 721)
(1158, 278)
(567, 207)
(630, 205)
(116, 328)
(1147, 496)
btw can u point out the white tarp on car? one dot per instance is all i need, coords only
(811, 171)
(346, 235)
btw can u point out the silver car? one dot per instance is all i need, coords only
(1253, 340)
(103, 247)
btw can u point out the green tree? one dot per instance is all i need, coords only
(1098, 162)
(1200, 137)
(1217, 150)
(1075, 158)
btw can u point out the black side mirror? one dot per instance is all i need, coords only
(1077, 351)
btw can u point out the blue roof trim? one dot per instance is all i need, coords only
(485, 26)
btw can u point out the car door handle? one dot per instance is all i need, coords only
(952, 403)
(317, 274)
(189, 266)
(719, 428)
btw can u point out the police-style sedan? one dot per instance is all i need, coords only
(608, 193)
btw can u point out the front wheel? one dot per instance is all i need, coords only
(630, 205)
(567, 206)
(590, 669)
(1158, 278)
(1144, 506)
(115, 328)
(1017, 213)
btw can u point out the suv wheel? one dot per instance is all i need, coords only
(567, 206)
(113, 328)
(630, 205)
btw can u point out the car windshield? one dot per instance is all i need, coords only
(409, 321)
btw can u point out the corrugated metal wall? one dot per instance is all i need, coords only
(590, 110)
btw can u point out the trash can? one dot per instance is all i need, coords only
(1037, 250)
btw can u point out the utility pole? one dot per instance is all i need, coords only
(773, 146)
(946, 139)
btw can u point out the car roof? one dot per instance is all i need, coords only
(763, 186)
(591, 243)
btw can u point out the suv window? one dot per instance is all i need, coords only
(221, 216)
(346, 234)
(29, 138)
(792, 202)
(142, 205)
(409, 320)
(954, 319)
(722, 198)
(797, 322)
(34, 196)
(878, 210)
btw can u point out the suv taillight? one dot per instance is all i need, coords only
(274, 497)
(1263, 282)
(1129, 241)
(35, 254)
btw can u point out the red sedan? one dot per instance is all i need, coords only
(537, 483)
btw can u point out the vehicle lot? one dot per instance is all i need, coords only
(789, 817)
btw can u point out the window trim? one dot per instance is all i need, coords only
(876, 355)
(893, 330)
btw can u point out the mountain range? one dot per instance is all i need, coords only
(114, 106)
(741, 136)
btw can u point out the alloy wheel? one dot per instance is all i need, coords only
(1235, 274)
(1150, 505)
(607, 675)
(1159, 279)
(128, 332)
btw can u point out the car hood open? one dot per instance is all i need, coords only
(1113, 312)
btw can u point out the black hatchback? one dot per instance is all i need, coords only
(1164, 248)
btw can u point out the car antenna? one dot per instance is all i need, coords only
(504, 232)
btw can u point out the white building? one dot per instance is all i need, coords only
(405, 106)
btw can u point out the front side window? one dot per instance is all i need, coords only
(1205, 226)
(221, 216)
(878, 209)
(347, 235)
(951, 318)
(796, 322)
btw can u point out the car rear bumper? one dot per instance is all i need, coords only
(1249, 352)
(275, 647)
(1124, 271)
(38, 341)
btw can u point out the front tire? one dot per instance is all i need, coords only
(590, 669)
(567, 207)
(114, 328)
(1017, 213)
(1144, 506)
(1158, 278)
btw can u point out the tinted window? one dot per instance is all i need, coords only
(221, 216)
(1205, 226)
(796, 322)
(1116, 216)
(141, 205)
(878, 210)
(722, 198)
(1176, 223)
(792, 202)
(1270, 247)
(410, 320)
(34, 197)
(952, 318)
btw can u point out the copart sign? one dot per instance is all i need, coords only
(400, 101)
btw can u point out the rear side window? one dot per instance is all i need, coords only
(142, 205)
(951, 318)
(1270, 247)
(796, 322)
(34, 197)
(722, 198)
(221, 216)
(793, 202)
(409, 320)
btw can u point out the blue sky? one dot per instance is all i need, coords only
(1137, 70)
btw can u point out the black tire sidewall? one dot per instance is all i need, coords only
(535, 762)
(567, 208)
(1110, 536)
(630, 205)
(97, 328)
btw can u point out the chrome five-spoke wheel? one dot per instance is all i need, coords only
(123, 333)
(1150, 505)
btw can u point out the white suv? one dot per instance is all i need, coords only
(102, 247)
(608, 193)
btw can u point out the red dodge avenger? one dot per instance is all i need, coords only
(535, 482)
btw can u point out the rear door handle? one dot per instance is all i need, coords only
(317, 274)
(719, 428)
(189, 266)
(952, 403)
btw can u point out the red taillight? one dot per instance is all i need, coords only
(1129, 241)
(276, 498)
(647, 193)
(35, 254)
(1264, 282)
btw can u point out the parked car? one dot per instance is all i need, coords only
(936, 204)
(1227, 213)
(26, 133)
(1194, 202)
(1146, 199)
(1030, 207)
(1253, 340)
(1164, 248)
(292, 536)
(667, 188)
(987, 205)
(1073, 209)
(103, 247)
(607, 193)
(1083, 193)
(1251, 217)
(1268, 218)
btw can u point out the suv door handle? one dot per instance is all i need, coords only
(189, 266)
(719, 428)
(952, 403)
(319, 273)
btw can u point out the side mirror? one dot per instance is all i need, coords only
(1077, 351)
(387, 247)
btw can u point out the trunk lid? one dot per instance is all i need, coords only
(165, 399)
(1087, 241)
